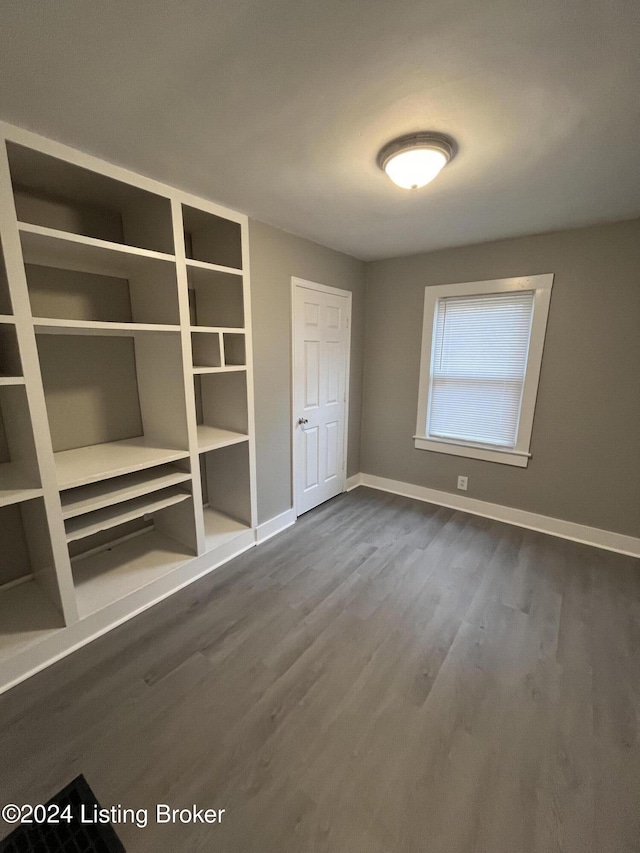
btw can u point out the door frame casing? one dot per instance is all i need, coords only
(296, 282)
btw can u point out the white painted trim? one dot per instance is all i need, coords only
(353, 482)
(348, 295)
(503, 457)
(595, 536)
(275, 525)
(323, 288)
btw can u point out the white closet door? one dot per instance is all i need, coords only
(321, 348)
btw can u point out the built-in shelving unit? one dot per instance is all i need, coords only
(126, 414)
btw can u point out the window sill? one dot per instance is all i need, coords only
(503, 457)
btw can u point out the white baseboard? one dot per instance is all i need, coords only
(275, 525)
(353, 482)
(607, 539)
(66, 640)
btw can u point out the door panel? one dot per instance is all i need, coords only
(312, 457)
(331, 444)
(312, 375)
(334, 371)
(321, 346)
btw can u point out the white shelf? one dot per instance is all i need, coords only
(65, 250)
(236, 330)
(55, 326)
(26, 616)
(112, 516)
(210, 438)
(16, 484)
(84, 465)
(11, 380)
(110, 492)
(220, 528)
(230, 368)
(194, 266)
(7, 318)
(106, 576)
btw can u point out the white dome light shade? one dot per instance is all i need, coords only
(413, 169)
(413, 161)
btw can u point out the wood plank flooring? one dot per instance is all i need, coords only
(384, 676)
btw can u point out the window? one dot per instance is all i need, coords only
(481, 354)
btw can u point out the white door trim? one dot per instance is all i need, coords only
(336, 291)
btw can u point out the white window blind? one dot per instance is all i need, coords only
(479, 362)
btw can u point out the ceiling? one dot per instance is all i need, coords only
(278, 108)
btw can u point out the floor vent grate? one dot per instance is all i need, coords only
(66, 837)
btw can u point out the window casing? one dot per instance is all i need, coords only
(482, 346)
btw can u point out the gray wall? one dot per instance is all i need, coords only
(275, 257)
(585, 446)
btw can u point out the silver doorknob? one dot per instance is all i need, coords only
(302, 421)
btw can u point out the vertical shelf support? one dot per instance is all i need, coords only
(187, 364)
(59, 581)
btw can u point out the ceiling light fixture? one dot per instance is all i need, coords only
(415, 160)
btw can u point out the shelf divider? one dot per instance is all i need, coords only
(84, 465)
(236, 330)
(55, 326)
(230, 368)
(114, 491)
(17, 483)
(112, 516)
(210, 438)
(66, 250)
(204, 265)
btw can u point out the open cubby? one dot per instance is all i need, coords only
(212, 239)
(18, 464)
(234, 349)
(206, 349)
(26, 549)
(111, 564)
(5, 298)
(57, 194)
(148, 295)
(127, 398)
(221, 409)
(226, 493)
(27, 614)
(10, 364)
(215, 299)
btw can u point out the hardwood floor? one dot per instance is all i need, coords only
(384, 676)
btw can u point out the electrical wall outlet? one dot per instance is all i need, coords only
(463, 482)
